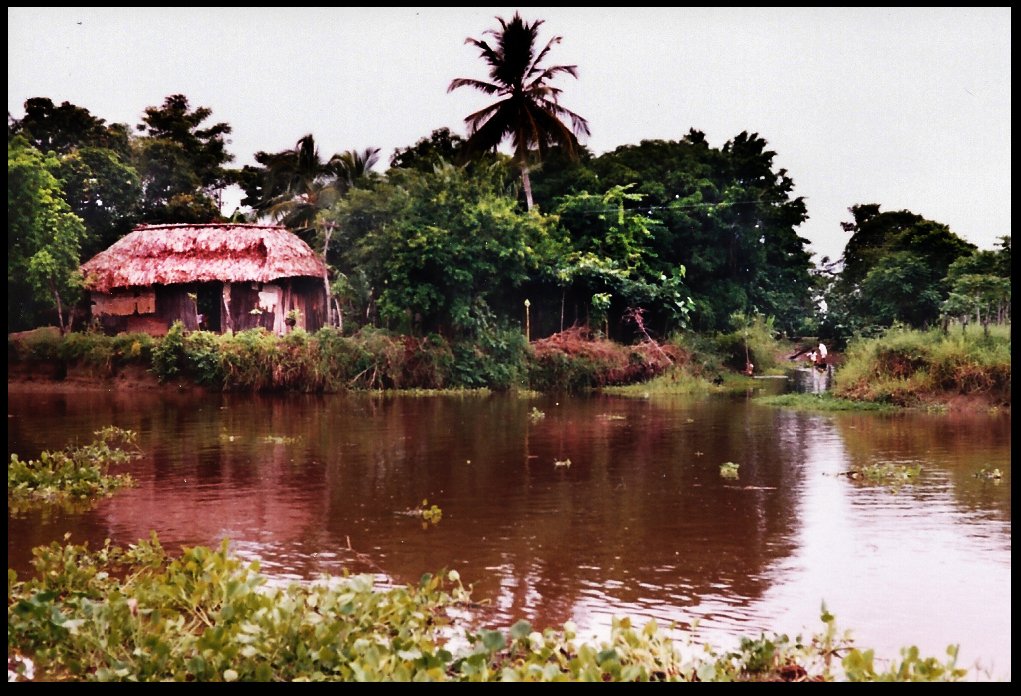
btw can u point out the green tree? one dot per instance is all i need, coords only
(607, 261)
(181, 163)
(726, 215)
(980, 284)
(66, 128)
(43, 239)
(437, 248)
(103, 191)
(97, 179)
(441, 147)
(894, 269)
(528, 111)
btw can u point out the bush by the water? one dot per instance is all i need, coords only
(138, 615)
(905, 367)
(257, 360)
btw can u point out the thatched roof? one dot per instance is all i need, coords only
(168, 254)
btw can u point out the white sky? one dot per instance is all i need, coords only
(909, 108)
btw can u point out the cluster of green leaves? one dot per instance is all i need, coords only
(91, 349)
(138, 615)
(436, 248)
(44, 239)
(76, 475)
(208, 617)
(980, 284)
(729, 470)
(259, 360)
(725, 216)
(752, 340)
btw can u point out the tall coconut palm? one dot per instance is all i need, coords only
(528, 111)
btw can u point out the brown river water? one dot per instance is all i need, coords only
(640, 524)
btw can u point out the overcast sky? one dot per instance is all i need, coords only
(907, 108)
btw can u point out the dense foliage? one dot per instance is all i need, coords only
(137, 614)
(720, 218)
(899, 267)
(257, 360)
(44, 239)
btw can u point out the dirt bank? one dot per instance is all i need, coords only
(56, 378)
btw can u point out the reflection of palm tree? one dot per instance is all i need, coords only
(307, 185)
(528, 111)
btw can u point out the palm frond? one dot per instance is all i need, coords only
(485, 87)
(542, 54)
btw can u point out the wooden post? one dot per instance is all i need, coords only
(528, 322)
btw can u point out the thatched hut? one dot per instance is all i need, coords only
(218, 277)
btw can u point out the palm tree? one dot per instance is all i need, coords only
(528, 111)
(305, 186)
(300, 185)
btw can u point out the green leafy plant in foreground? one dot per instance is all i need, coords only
(76, 474)
(138, 615)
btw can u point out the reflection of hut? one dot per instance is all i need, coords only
(233, 277)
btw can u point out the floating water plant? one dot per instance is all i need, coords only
(424, 512)
(137, 614)
(989, 474)
(885, 473)
(536, 415)
(280, 440)
(728, 470)
(565, 463)
(76, 474)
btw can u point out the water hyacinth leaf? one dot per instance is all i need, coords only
(494, 640)
(520, 630)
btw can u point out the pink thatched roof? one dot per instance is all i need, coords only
(169, 254)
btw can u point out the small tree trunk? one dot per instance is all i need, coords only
(527, 185)
(60, 308)
(327, 231)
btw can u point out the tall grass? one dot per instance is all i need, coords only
(905, 366)
(375, 359)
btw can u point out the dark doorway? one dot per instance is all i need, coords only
(210, 301)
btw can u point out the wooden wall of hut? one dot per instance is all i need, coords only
(253, 305)
(177, 303)
(215, 306)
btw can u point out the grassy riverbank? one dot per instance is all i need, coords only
(136, 614)
(929, 368)
(329, 361)
(901, 368)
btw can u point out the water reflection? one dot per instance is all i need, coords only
(641, 523)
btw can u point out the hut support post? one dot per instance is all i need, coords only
(226, 322)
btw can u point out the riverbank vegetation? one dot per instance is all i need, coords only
(137, 614)
(74, 477)
(907, 367)
(257, 360)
